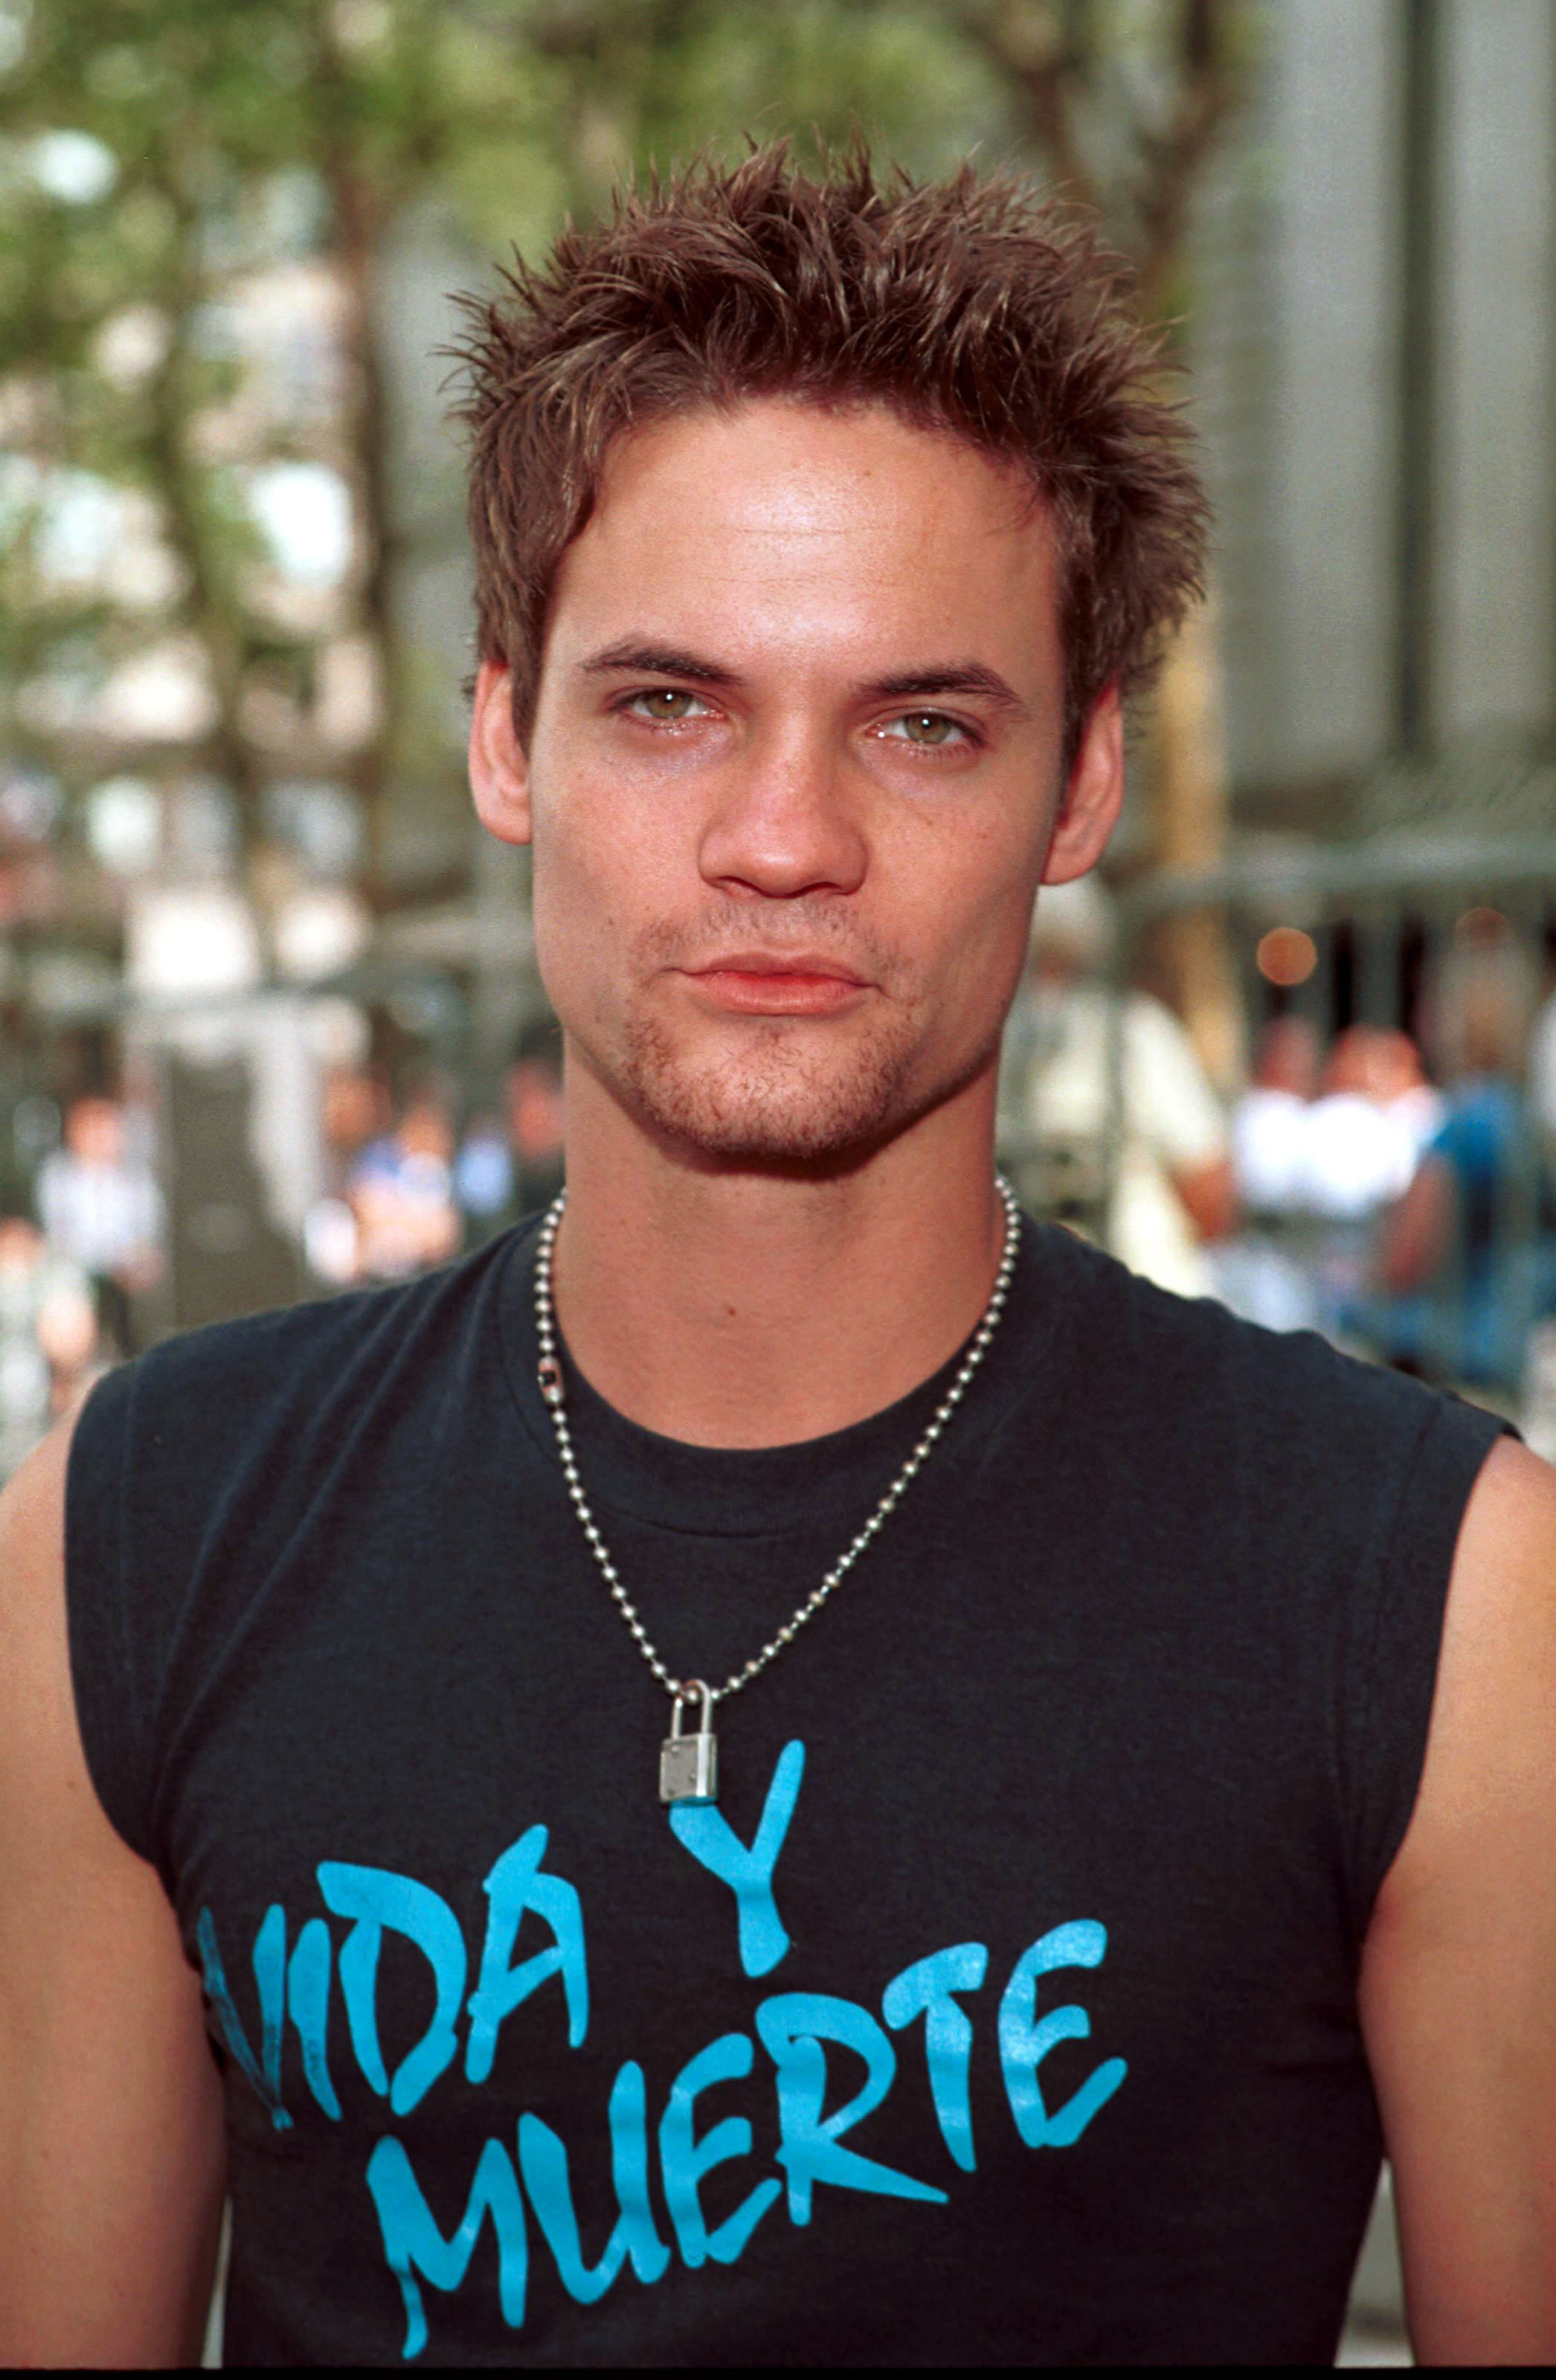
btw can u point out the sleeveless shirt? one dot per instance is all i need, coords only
(1002, 2009)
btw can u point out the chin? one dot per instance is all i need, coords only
(774, 1104)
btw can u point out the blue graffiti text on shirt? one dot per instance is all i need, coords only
(807, 2038)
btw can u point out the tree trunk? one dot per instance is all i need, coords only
(208, 605)
(1049, 55)
(359, 213)
(1188, 754)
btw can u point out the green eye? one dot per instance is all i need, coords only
(927, 727)
(664, 702)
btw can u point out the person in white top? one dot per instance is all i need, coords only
(101, 1208)
(1270, 1121)
(1365, 1136)
(1154, 1179)
(1259, 1274)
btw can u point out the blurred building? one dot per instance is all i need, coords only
(1374, 343)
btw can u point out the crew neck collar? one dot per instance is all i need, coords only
(772, 1490)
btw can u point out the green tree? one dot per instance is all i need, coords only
(212, 142)
(1122, 102)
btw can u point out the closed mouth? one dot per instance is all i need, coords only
(798, 963)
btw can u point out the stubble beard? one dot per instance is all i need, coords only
(777, 1099)
(809, 1093)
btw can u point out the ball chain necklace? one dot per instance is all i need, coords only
(689, 1763)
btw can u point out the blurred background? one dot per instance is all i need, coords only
(268, 1022)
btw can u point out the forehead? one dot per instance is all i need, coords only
(790, 523)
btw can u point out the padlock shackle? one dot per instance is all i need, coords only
(693, 1690)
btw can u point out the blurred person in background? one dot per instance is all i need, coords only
(101, 1208)
(48, 1337)
(1362, 1135)
(1362, 1138)
(1397, 1078)
(401, 1193)
(1164, 1189)
(24, 1372)
(1259, 1272)
(1079, 1888)
(1321, 1148)
(484, 1177)
(1464, 1256)
(1270, 1120)
(72, 1346)
(357, 1110)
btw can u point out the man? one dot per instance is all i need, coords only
(1016, 1989)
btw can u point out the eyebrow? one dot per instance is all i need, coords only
(908, 685)
(966, 677)
(659, 661)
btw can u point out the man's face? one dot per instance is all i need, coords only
(792, 776)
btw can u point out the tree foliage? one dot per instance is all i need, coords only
(159, 158)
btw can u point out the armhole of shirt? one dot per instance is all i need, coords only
(1395, 1677)
(111, 1633)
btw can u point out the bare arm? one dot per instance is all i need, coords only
(1418, 1229)
(1210, 1194)
(1459, 1976)
(111, 2140)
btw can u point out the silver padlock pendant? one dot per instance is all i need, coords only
(689, 1763)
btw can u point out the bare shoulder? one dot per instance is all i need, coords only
(1492, 1753)
(110, 2115)
(1458, 1991)
(55, 1839)
(1509, 1521)
(42, 1768)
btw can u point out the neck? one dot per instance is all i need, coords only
(742, 1309)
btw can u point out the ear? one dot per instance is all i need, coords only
(1094, 796)
(499, 768)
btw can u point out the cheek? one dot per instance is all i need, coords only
(985, 966)
(597, 890)
(982, 966)
(983, 883)
(593, 824)
(571, 909)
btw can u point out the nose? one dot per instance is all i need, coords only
(783, 824)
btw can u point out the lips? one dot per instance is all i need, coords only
(773, 983)
(808, 964)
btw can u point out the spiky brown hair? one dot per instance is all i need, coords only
(966, 304)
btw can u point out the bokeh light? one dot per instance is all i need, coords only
(1480, 930)
(1286, 955)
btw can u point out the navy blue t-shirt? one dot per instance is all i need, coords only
(1002, 2010)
